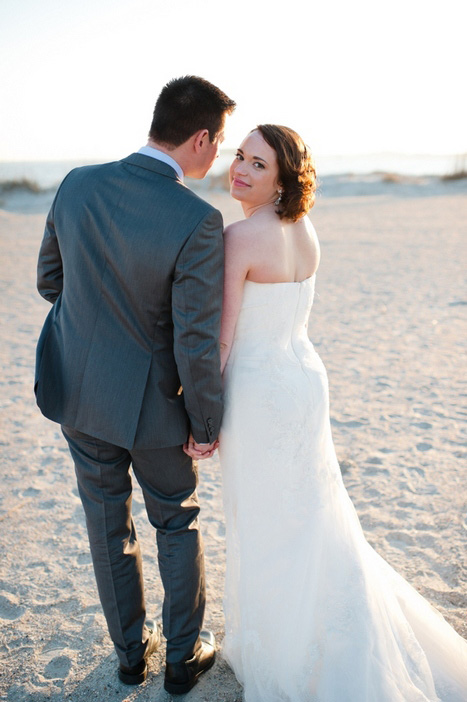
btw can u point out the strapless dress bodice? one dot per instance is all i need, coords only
(273, 318)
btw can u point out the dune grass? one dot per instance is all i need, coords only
(8, 186)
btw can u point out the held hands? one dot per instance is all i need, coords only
(199, 451)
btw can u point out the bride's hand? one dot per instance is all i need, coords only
(199, 451)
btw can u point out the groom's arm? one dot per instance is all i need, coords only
(49, 266)
(196, 311)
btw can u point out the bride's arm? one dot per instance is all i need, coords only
(236, 267)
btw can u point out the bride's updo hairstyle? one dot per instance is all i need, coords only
(297, 174)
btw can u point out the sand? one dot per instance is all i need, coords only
(389, 323)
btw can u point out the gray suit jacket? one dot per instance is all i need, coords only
(132, 261)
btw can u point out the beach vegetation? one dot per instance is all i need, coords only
(460, 169)
(26, 184)
(456, 175)
(392, 178)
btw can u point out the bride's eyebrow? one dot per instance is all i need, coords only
(255, 158)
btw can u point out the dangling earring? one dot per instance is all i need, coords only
(277, 202)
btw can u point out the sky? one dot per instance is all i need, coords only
(79, 78)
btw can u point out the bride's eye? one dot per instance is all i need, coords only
(239, 156)
(257, 164)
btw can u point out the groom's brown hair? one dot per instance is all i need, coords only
(185, 106)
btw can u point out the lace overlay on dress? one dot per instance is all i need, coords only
(313, 614)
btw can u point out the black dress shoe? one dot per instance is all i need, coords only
(136, 674)
(181, 677)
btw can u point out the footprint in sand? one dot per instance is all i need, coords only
(346, 465)
(9, 606)
(399, 539)
(48, 504)
(352, 424)
(31, 492)
(57, 667)
(423, 446)
(422, 425)
(84, 558)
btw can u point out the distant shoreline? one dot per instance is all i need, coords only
(25, 196)
(48, 174)
(28, 187)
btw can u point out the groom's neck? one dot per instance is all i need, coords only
(178, 153)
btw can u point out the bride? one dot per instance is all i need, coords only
(313, 614)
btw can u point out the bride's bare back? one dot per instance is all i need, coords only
(280, 251)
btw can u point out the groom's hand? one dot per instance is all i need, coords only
(199, 451)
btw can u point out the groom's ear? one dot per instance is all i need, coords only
(199, 139)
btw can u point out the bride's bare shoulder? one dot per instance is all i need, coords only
(311, 231)
(239, 228)
(240, 233)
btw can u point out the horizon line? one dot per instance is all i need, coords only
(317, 154)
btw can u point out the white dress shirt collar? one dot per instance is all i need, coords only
(161, 156)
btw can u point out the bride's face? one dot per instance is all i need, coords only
(254, 172)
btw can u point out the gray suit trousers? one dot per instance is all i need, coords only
(168, 480)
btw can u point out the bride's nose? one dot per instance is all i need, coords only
(239, 167)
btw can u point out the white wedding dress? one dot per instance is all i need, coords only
(313, 614)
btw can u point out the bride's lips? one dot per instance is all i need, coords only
(239, 183)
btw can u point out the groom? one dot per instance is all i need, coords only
(132, 261)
